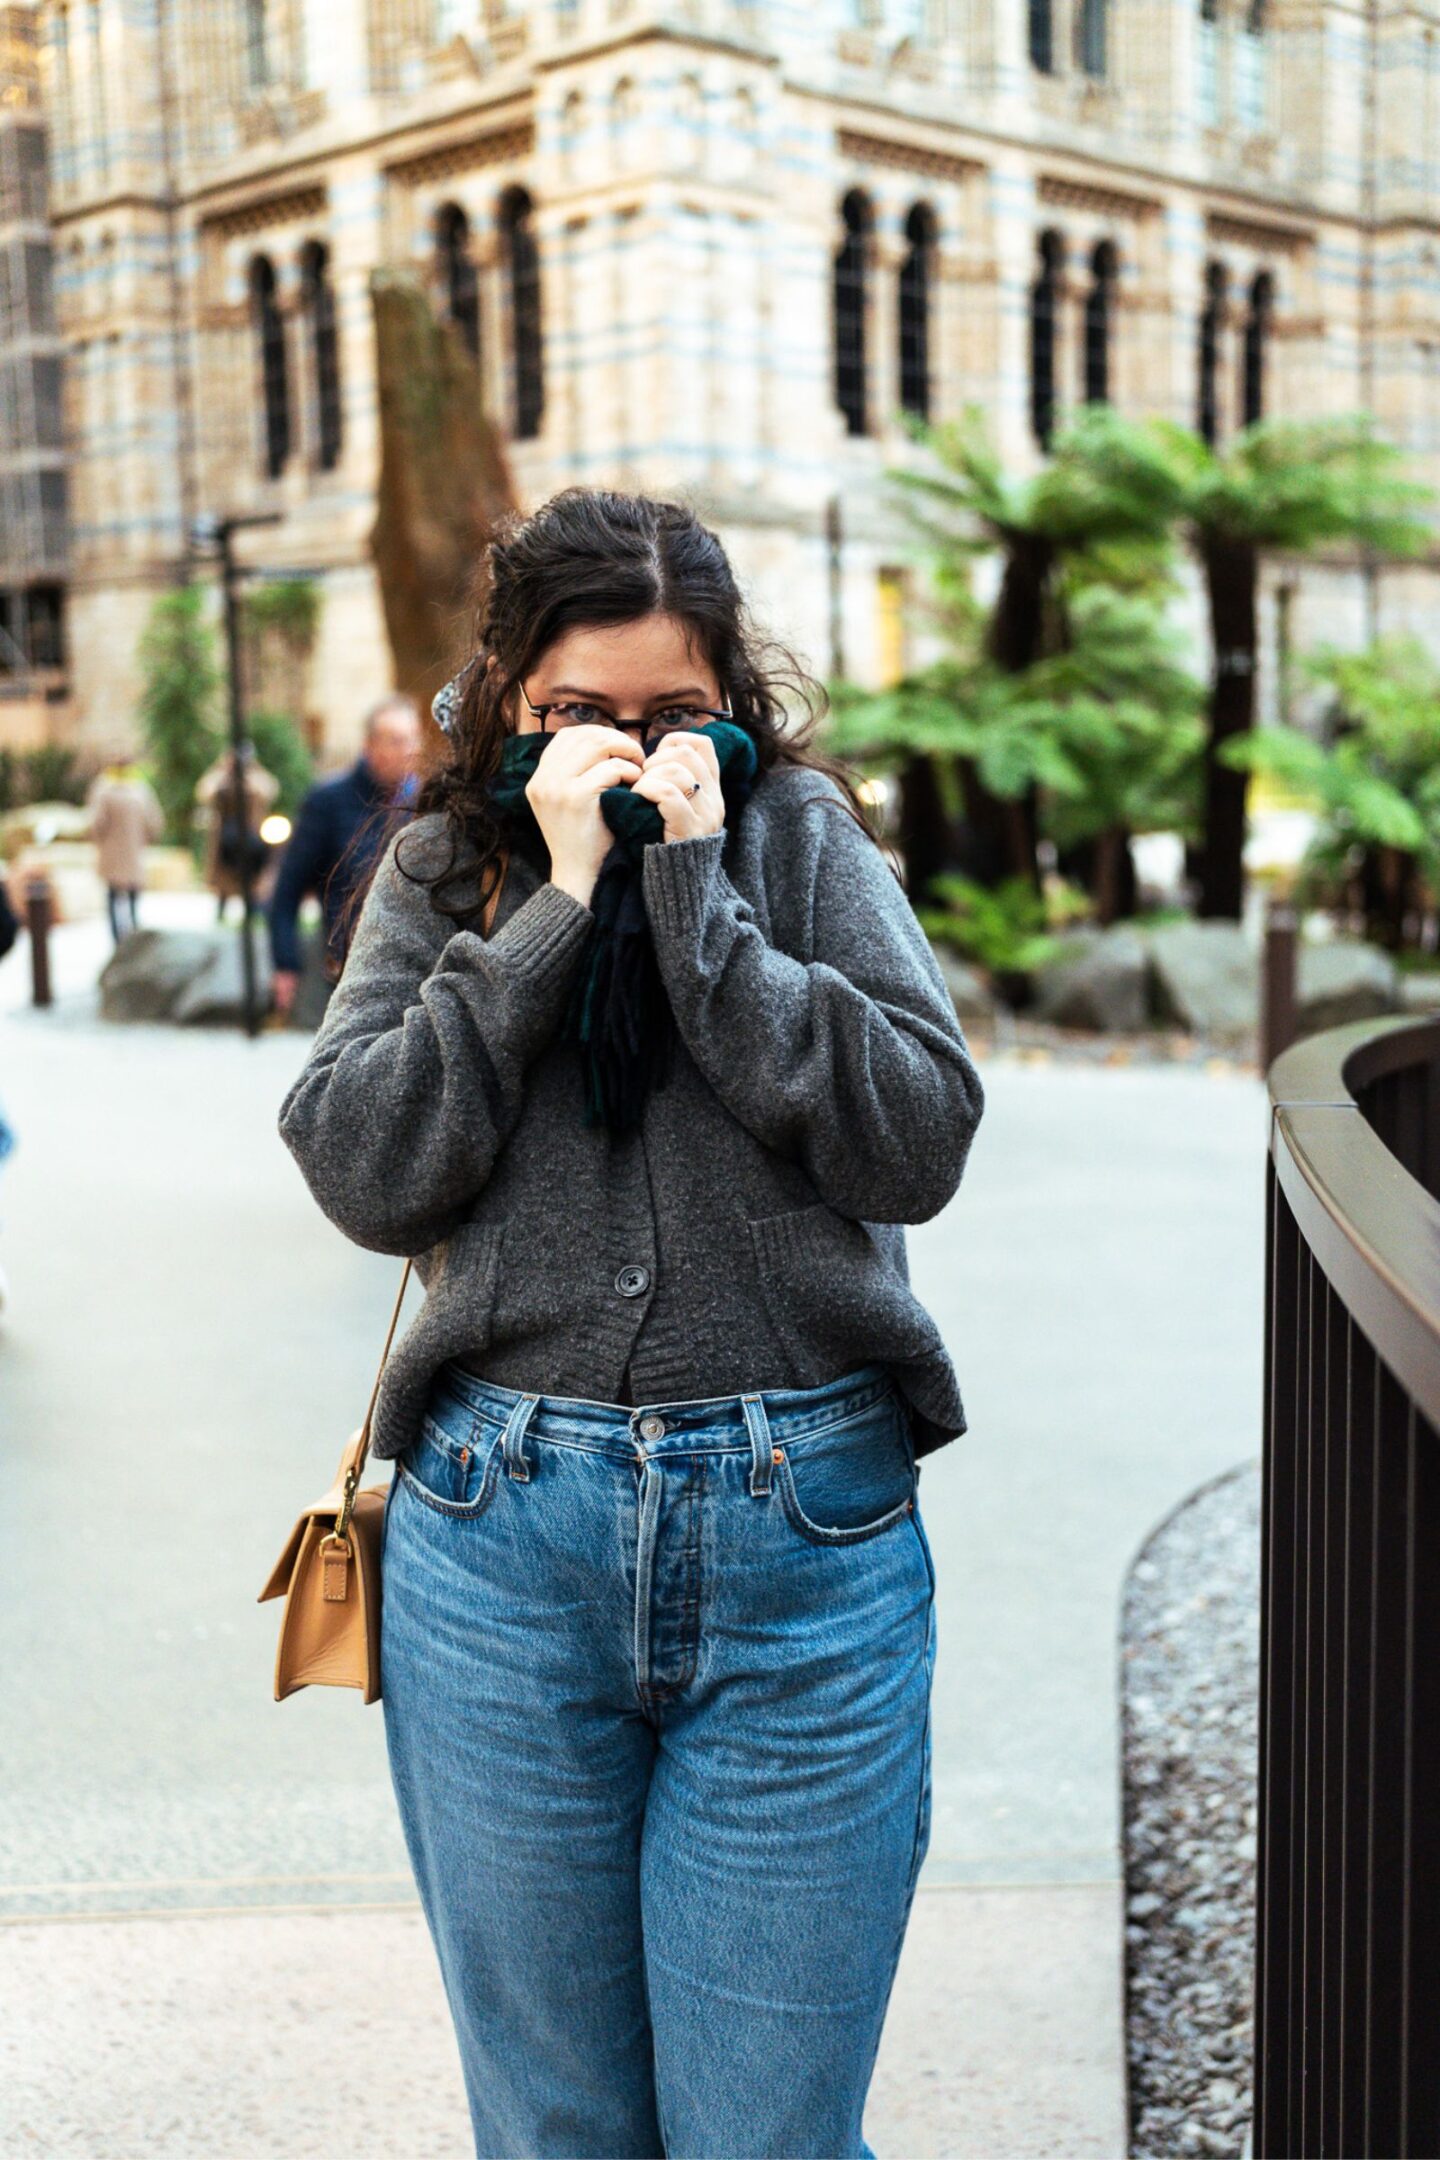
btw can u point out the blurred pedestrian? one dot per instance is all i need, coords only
(125, 815)
(228, 842)
(341, 827)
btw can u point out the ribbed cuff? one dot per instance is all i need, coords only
(541, 941)
(679, 880)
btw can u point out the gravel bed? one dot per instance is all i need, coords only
(1189, 1667)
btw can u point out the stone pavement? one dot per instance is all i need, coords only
(206, 1913)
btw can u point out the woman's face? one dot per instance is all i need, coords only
(628, 671)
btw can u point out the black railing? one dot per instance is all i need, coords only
(1347, 1954)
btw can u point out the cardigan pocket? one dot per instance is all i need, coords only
(834, 1300)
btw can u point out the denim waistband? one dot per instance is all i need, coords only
(705, 1423)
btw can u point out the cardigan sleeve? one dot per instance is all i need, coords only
(851, 1061)
(415, 1079)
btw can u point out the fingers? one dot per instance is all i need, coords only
(585, 771)
(576, 749)
(696, 752)
(685, 816)
(608, 772)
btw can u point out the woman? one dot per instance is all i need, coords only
(658, 1605)
(125, 818)
(224, 838)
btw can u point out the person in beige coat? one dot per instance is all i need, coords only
(125, 816)
(215, 801)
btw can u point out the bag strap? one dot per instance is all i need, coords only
(356, 1470)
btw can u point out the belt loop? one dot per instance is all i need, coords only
(516, 1425)
(761, 1446)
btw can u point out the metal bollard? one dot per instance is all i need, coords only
(39, 914)
(1278, 1000)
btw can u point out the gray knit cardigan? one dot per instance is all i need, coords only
(749, 1234)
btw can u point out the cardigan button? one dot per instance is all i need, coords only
(633, 1281)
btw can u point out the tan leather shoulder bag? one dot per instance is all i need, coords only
(329, 1572)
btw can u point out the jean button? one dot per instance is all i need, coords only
(633, 1281)
(652, 1428)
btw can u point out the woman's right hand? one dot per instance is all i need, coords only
(564, 792)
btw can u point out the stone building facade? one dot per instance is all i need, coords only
(716, 248)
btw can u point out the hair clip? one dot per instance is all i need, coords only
(445, 705)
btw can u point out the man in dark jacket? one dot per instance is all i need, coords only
(339, 829)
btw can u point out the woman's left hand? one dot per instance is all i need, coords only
(682, 779)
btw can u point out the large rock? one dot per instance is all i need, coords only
(1100, 980)
(215, 996)
(1419, 992)
(1343, 979)
(148, 970)
(315, 989)
(187, 977)
(1205, 976)
(974, 999)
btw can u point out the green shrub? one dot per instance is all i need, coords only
(179, 702)
(280, 750)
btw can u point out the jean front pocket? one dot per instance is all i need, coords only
(453, 1476)
(850, 1480)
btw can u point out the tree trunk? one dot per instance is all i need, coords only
(929, 839)
(1231, 571)
(443, 486)
(1112, 852)
(1007, 831)
(1103, 866)
(1388, 881)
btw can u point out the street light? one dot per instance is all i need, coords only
(212, 535)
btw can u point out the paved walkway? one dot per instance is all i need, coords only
(204, 1895)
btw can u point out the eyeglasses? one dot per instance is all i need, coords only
(670, 720)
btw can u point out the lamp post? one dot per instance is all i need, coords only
(218, 533)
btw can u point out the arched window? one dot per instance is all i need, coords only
(572, 130)
(1257, 331)
(1099, 322)
(688, 115)
(624, 127)
(1250, 68)
(1207, 62)
(1044, 322)
(257, 44)
(459, 285)
(743, 136)
(1042, 35)
(916, 282)
(319, 297)
(99, 94)
(1092, 37)
(274, 383)
(1212, 318)
(522, 267)
(850, 306)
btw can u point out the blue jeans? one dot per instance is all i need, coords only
(656, 1692)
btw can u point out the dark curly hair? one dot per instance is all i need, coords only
(591, 558)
